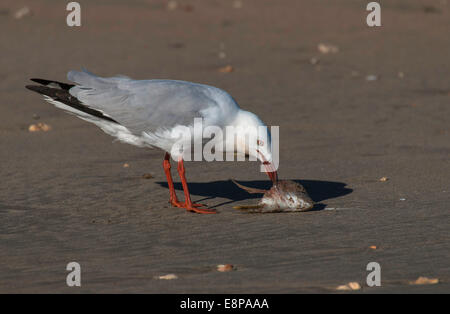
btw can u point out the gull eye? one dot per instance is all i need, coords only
(260, 143)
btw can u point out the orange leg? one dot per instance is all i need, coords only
(173, 195)
(188, 205)
(173, 200)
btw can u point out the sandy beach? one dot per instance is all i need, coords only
(377, 107)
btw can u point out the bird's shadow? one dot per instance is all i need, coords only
(318, 190)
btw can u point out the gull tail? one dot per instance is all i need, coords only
(57, 93)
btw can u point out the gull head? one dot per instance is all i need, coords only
(253, 139)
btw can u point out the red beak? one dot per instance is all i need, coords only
(273, 175)
(271, 172)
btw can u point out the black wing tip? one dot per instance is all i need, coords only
(64, 97)
(40, 81)
(34, 88)
(52, 84)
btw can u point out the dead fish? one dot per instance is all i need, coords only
(283, 196)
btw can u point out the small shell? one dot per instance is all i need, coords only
(226, 69)
(225, 267)
(33, 128)
(167, 277)
(350, 286)
(424, 281)
(39, 127)
(354, 285)
(22, 12)
(327, 48)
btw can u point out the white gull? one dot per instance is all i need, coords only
(153, 113)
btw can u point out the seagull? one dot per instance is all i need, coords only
(152, 113)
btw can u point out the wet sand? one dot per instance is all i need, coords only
(65, 195)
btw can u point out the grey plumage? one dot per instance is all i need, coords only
(146, 113)
(151, 105)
